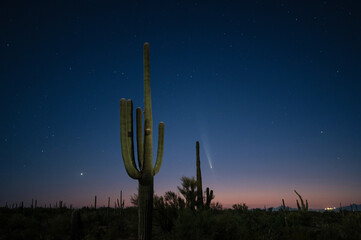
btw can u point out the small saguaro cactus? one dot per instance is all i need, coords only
(209, 197)
(121, 201)
(145, 174)
(284, 208)
(303, 207)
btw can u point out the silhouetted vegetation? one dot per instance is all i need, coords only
(173, 219)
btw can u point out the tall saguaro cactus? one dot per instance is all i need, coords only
(199, 179)
(145, 174)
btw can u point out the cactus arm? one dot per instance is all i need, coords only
(298, 205)
(123, 129)
(300, 198)
(302, 203)
(128, 163)
(158, 162)
(209, 197)
(297, 194)
(129, 116)
(306, 205)
(139, 138)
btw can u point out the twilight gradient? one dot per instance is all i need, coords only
(271, 91)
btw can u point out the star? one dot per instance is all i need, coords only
(81, 174)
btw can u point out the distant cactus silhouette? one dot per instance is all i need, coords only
(121, 201)
(200, 201)
(303, 207)
(209, 197)
(283, 207)
(199, 179)
(95, 202)
(146, 172)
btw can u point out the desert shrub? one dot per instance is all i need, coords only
(166, 212)
(58, 226)
(193, 225)
(351, 226)
(229, 227)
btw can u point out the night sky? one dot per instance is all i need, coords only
(271, 89)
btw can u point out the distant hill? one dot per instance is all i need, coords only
(275, 209)
(352, 207)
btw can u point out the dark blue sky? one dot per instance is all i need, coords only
(271, 89)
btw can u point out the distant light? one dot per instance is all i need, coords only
(330, 208)
(81, 174)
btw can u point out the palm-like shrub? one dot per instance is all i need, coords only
(188, 190)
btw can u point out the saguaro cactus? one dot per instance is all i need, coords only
(145, 174)
(284, 208)
(209, 197)
(199, 179)
(303, 207)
